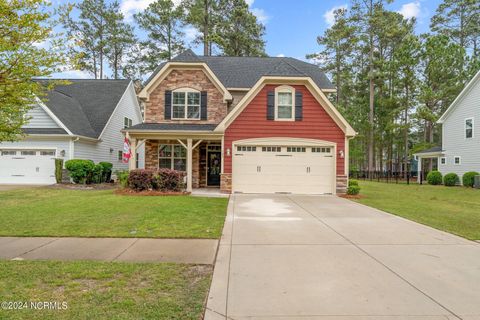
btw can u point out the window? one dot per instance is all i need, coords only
(9, 153)
(28, 153)
(172, 156)
(296, 149)
(443, 160)
(457, 160)
(47, 153)
(272, 149)
(247, 148)
(321, 149)
(136, 160)
(127, 123)
(120, 155)
(284, 103)
(185, 105)
(469, 128)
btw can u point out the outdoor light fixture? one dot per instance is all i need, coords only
(341, 154)
(62, 153)
(228, 152)
(111, 150)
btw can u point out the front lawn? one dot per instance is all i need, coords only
(93, 213)
(452, 209)
(104, 290)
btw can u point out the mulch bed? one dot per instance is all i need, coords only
(130, 192)
(351, 196)
(72, 186)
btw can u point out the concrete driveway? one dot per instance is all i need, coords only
(324, 257)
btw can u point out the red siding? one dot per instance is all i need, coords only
(253, 123)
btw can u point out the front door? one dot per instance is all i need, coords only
(213, 168)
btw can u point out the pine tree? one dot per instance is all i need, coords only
(203, 15)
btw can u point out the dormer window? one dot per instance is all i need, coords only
(186, 104)
(284, 103)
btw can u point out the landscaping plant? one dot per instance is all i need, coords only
(170, 180)
(122, 177)
(107, 171)
(141, 179)
(451, 179)
(434, 178)
(468, 178)
(97, 174)
(58, 170)
(353, 187)
(80, 170)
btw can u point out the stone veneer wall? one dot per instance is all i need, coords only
(342, 182)
(226, 183)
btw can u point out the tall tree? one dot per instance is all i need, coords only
(238, 32)
(202, 14)
(163, 21)
(24, 24)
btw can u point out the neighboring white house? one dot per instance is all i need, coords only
(460, 150)
(79, 120)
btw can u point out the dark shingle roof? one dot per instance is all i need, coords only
(173, 127)
(43, 131)
(430, 150)
(84, 106)
(244, 72)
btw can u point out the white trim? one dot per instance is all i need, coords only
(464, 92)
(442, 160)
(285, 89)
(459, 160)
(465, 128)
(308, 82)
(52, 115)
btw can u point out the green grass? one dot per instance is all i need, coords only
(93, 213)
(452, 209)
(105, 290)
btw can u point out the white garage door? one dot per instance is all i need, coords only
(27, 166)
(279, 168)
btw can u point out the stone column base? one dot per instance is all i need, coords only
(226, 183)
(342, 184)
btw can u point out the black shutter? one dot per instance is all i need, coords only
(168, 105)
(270, 105)
(203, 105)
(298, 106)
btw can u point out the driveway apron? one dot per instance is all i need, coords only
(324, 257)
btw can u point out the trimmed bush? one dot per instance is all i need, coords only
(80, 170)
(141, 180)
(434, 178)
(352, 182)
(122, 177)
(58, 170)
(170, 180)
(107, 171)
(97, 174)
(450, 179)
(353, 190)
(468, 178)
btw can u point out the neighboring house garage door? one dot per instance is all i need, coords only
(27, 166)
(283, 167)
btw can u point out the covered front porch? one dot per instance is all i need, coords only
(432, 154)
(198, 154)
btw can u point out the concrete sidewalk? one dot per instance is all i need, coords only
(197, 251)
(292, 257)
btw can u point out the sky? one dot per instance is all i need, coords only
(292, 26)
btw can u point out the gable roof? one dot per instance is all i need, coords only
(84, 106)
(457, 100)
(244, 72)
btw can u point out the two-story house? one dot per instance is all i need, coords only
(244, 124)
(460, 150)
(82, 119)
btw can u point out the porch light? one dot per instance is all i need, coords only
(228, 152)
(342, 155)
(62, 153)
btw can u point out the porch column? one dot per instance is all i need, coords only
(189, 165)
(133, 158)
(419, 169)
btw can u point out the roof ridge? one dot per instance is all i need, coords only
(291, 65)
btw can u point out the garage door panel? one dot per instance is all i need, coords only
(32, 167)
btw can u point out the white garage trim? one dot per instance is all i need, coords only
(281, 141)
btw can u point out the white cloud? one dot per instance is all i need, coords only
(260, 14)
(280, 55)
(190, 33)
(329, 15)
(249, 2)
(410, 10)
(130, 7)
(41, 44)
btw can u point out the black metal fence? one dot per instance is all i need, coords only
(387, 176)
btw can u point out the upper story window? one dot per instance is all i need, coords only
(284, 103)
(469, 128)
(127, 123)
(186, 104)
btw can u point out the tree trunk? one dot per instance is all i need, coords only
(206, 51)
(372, 98)
(405, 132)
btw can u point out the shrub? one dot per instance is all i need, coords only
(353, 190)
(434, 178)
(107, 171)
(450, 179)
(122, 177)
(58, 170)
(141, 179)
(170, 180)
(80, 170)
(97, 174)
(468, 178)
(352, 182)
